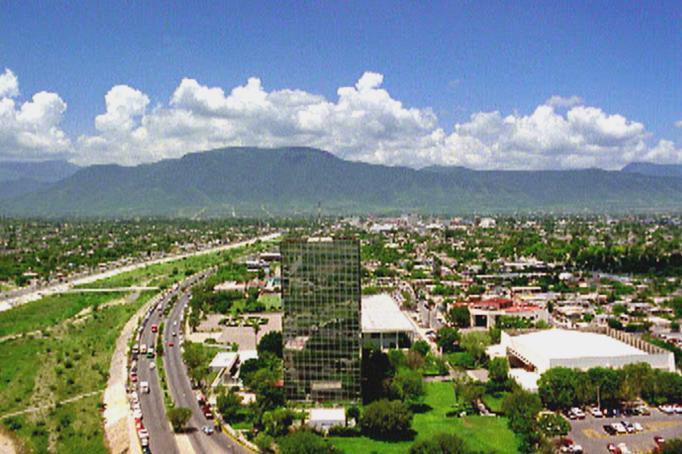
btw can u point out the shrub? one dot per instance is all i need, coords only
(386, 419)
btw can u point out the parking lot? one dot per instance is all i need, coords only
(590, 434)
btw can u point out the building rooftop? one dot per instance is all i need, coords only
(381, 314)
(561, 343)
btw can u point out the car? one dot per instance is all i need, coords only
(644, 410)
(613, 449)
(596, 412)
(609, 429)
(133, 377)
(624, 448)
(659, 440)
(629, 428)
(143, 433)
(174, 334)
(208, 430)
(678, 409)
(619, 428)
(667, 409)
(638, 427)
(152, 366)
(170, 344)
(579, 414)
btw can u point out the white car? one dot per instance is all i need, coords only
(624, 448)
(578, 413)
(596, 412)
(152, 365)
(618, 427)
(638, 427)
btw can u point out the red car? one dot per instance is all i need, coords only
(133, 378)
(171, 344)
(613, 449)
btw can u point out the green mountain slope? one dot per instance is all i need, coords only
(294, 181)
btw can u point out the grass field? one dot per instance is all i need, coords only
(479, 432)
(48, 311)
(73, 360)
(272, 302)
(494, 401)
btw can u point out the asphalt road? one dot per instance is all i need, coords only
(183, 394)
(161, 436)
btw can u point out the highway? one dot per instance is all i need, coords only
(24, 295)
(183, 394)
(161, 438)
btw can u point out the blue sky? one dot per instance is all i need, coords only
(455, 59)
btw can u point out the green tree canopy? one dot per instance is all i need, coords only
(271, 342)
(386, 419)
(442, 443)
(178, 417)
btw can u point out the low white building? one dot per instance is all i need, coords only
(383, 323)
(534, 353)
(324, 418)
(227, 364)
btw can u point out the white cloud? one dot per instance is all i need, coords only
(30, 130)
(560, 101)
(678, 123)
(9, 85)
(364, 122)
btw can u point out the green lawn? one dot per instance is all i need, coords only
(479, 432)
(494, 401)
(272, 302)
(49, 311)
(18, 370)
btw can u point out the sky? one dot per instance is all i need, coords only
(485, 84)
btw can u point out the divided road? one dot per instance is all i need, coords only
(183, 394)
(161, 438)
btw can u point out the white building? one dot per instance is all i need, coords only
(383, 323)
(227, 364)
(324, 418)
(532, 354)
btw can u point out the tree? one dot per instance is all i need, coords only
(447, 338)
(414, 360)
(608, 384)
(475, 344)
(637, 379)
(229, 405)
(264, 442)
(305, 442)
(268, 394)
(271, 342)
(178, 417)
(353, 412)
(498, 371)
(421, 347)
(459, 316)
(557, 388)
(468, 391)
(407, 386)
(521, 408)
(442, 443)
(278, 421)
(386, 419)
(376, 374)
(196, 360)
(672, 446)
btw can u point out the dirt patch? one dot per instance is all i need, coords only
(7, 444)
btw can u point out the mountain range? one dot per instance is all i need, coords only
(245, 181)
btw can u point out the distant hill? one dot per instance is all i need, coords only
(43, 171)
(654, 170)
(18, 178)
(295, 181)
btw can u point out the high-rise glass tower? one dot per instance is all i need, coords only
(321, 324)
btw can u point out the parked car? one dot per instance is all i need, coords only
(628, 426)
(624, 448)
(609, 429)
(613, 449)
(596, 412)
(638, 427)
(620, 428)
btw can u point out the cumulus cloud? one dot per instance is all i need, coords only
(363, 122)
(560, 101)
(30, 130)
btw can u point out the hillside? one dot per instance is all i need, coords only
(18, 178)
(654, 170)
(294, 181)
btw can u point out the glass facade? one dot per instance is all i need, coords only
(321, 324)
